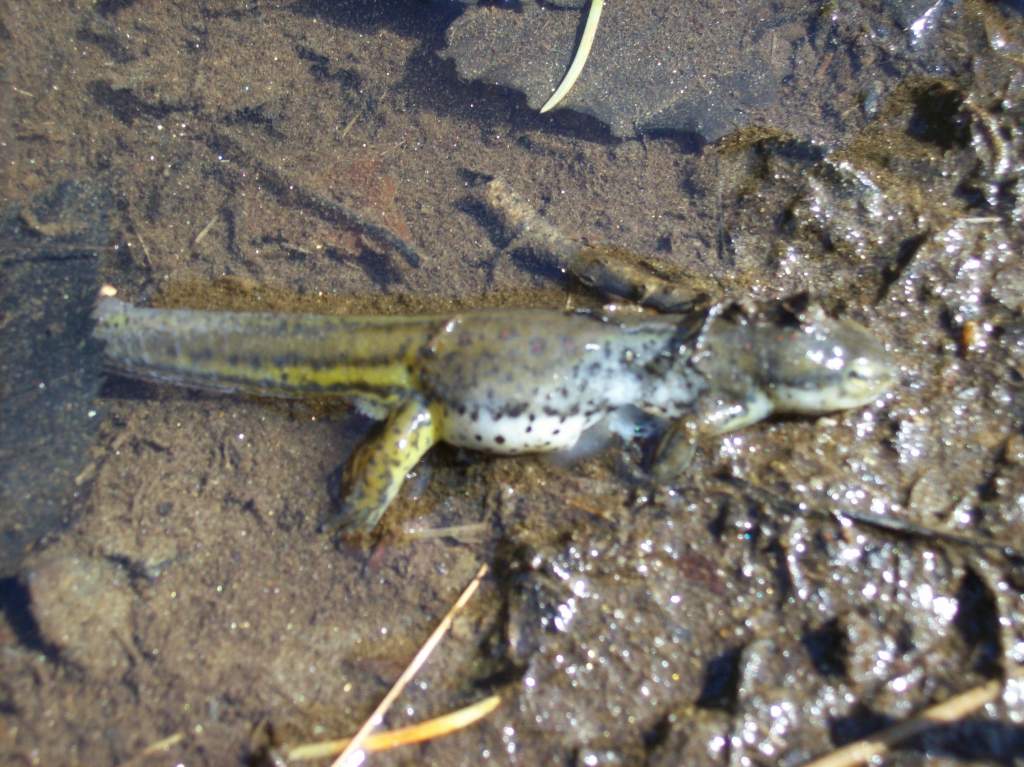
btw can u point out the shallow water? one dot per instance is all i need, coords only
(805, 583)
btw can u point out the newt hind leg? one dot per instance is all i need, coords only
(378, 468)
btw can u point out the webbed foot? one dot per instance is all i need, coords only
(675, 451)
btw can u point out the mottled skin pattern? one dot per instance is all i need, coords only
(508, 381)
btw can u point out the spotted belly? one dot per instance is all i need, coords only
(525, 432)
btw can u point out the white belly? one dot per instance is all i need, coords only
(526, 433)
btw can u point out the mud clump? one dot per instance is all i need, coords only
(83, 609)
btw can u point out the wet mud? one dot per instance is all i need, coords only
(805, 583)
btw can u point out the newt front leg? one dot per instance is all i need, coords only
(719, 412)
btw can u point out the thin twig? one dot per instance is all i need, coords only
(411, 670)
(206, 229)
(611, 271)
(459, 532)
(163, 744)
(157, 747)
(580, 59)
(952, 710)
(145, 248)
(872, 519)
(431, 729)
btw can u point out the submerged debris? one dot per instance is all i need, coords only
(612, 272)
(705, 69)
(50, 370)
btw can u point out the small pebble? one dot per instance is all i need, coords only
(1013, 453)
(82, 607)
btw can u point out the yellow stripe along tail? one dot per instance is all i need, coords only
(280, 354)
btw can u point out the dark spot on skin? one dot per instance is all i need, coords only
(478, 438)
(562, 418)
(556, 431)
(497, 415)
(564, 392)
(529, 429)
(514, 411)
(476, 416)
(574, 410)
(533, 417)
(549, 411)
(594, 368)
(500, 440)
(461, 409)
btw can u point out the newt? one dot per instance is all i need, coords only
(507, 381)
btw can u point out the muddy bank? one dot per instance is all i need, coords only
(808, 581)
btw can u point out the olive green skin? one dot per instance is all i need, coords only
(508, 381)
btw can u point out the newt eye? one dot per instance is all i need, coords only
(860, 370)
(876, 374)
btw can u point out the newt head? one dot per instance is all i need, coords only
(828, 365)
(802, 361)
